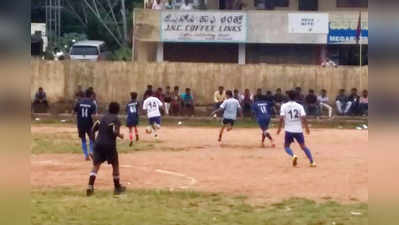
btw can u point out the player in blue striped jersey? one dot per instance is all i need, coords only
(262, 109)
(132, 111)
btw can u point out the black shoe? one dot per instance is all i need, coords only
(119, 190)
(131, 143)
(89, 192)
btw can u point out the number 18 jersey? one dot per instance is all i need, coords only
(292, 113)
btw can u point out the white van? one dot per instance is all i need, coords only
(88, 50)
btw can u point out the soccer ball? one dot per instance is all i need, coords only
(148, 130)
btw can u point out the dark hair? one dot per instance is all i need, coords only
(298, 88)
(268, 92)
(354, 89)
(188, 89)
(342, 90)
(221, 87)
(89, 93)
(40, 88)
(323, 90)
(113, 108)
(292, 94)
(149, 86)
(311, 91)
(236, 90)
(176, 88)
(229, 93)
(133, 95)
(167, 87)
(278, 89)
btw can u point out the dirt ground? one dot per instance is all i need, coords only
(190, 159)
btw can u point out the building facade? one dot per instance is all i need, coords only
(254, 31)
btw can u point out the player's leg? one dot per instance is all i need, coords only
(301, 140)
(82, 136)
(288, 140)
(136, 132)
(230, 125)
(92, 179)
(221, 133)
(156, 125)
(130, 136)
(265, 126)
(118, 188)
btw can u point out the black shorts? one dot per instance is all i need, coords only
(82, 131)
(104, 153)
(228, 121)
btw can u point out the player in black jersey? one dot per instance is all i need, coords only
(105, 147)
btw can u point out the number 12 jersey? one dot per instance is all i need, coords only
(292, 113)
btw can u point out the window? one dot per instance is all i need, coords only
(282, 3)
(352, 3)
(84, 50)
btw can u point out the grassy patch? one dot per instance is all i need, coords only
(66, 206)
(70, 143)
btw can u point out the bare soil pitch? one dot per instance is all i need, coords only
(190, 159)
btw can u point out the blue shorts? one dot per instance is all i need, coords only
(264, 123)
(132, 122)
(154, 120)
(291, 137)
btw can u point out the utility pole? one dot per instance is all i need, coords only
(53, 19)
(124, 21)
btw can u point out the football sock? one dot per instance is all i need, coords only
(308, 154)
(130, 135)
(263, 137)
(92, 179)
(116, 182)
(137, 133)
(91, 146)
(84, 147)
(289, 151)
(269, 136)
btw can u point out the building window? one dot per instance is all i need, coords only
(282, 3)
(352, 3)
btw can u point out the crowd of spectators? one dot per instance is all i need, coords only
(179, 103)
(315, 105)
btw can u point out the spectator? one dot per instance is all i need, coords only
(40, 99)
(186, 6)
(219, 96)
(279, 99)
(354, 102)
(246, 103)
(159, 94)
(188, 102)
(324, 103)
(300, 97)
(236, 94)
(79, 93)
(311, 104)
(176, 101)
(269, 96)
(148, 92)
(364, 103)
(157, 5)
(170, 4)
(167, 100)
(259, 95)
(343, 105)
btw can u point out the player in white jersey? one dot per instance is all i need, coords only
(152, 106)
(293, 116)
(230, 107)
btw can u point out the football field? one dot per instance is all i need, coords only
(188, 178)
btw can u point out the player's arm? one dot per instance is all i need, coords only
(305, 124)
(216, 111)
(281, 122)
(116, 129)
(94, 129)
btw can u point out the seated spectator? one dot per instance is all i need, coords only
(237, 95)
(218, 97)
(147, 92)
(186, 6)
(176, 102)
(157, 5)
(324, 103)
(40, 102)
(354, 98)
(269, 96)
(188, 102)
(343, 105)
(246, 103)
(168, 100)
(258, 95)
(311, 104)
(79, 94)
(159, 94)
(364, 103)
(300, 97)
(170, 4)
(279, 99)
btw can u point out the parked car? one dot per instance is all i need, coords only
(89, 50)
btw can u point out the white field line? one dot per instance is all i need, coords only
(193, 181)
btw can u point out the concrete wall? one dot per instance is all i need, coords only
(114, 80)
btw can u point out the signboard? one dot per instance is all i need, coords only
(345, 30)
(308, 23)
(202, 26)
